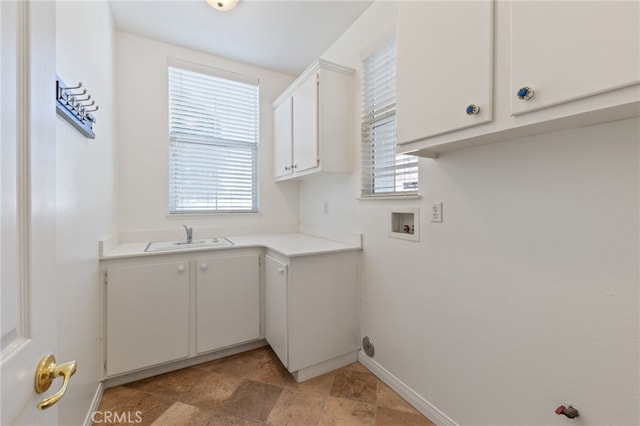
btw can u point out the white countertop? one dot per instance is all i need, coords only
(290, 245)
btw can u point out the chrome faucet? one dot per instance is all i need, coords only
(189, 234)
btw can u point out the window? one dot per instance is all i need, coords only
(213, 133)
(383, 171)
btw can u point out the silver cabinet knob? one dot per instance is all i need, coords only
(525, 93)
(180, 268)
(472, 109)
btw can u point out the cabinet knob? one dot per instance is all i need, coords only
(281, 271)
(525, 93)
(180, 268)
(204, 266)
(473, 109)
(287, 168)
(295, 166)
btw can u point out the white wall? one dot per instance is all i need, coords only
(526, 296)
(86, 197)
(144, 145)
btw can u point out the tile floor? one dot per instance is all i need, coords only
(254, 388)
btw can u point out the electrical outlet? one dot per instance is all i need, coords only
(436, 212)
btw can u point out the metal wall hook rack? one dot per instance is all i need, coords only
(75, 107)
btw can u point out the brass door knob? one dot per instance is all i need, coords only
(46, 372)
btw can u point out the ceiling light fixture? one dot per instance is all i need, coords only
(223, 5)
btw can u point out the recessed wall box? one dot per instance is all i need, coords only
(405, 224)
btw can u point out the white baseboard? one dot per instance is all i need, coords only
(418, 402)
(95, 404)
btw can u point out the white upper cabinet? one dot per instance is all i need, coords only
(567, 50)
(530, 66)
(313, 123)
(283, 137)
(445, 67)
(306, 154)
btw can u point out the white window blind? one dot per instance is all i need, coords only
(383, 171)
(213, 133)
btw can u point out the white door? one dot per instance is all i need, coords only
(164, 329)
(227, 301)
(305, 125)
(276, 307)
(570, 50)
(444, 66)
(27, 240)
(283, 135)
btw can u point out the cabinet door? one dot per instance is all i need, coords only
(568, 50)
(445, 64)
(323, 308)
(227, 301)
(147, 315)
(276, 307)
(283, 142)
(305, 125)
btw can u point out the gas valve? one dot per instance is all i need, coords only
(567, 411)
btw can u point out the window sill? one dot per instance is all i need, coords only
(212, 214)
(390, 197)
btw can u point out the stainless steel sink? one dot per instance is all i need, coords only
(184, 245)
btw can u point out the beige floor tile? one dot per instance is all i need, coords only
(252, 400)
(168, 385)
(343, 412)
(270, 370)
(254, 389)
(296, 408)
(357, 367)
(390, 417)
(211, 390)
(355, 385)
(388, 398)
(121, 405)
(236, 365)
(183, 415)
(321, 384)
(223, 419)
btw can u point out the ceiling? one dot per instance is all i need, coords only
(284, 36)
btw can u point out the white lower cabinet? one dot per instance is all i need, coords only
(276, 291)
(147, 315)
(177, 306)
(311, 311)
(166, 311)
(227, 301)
